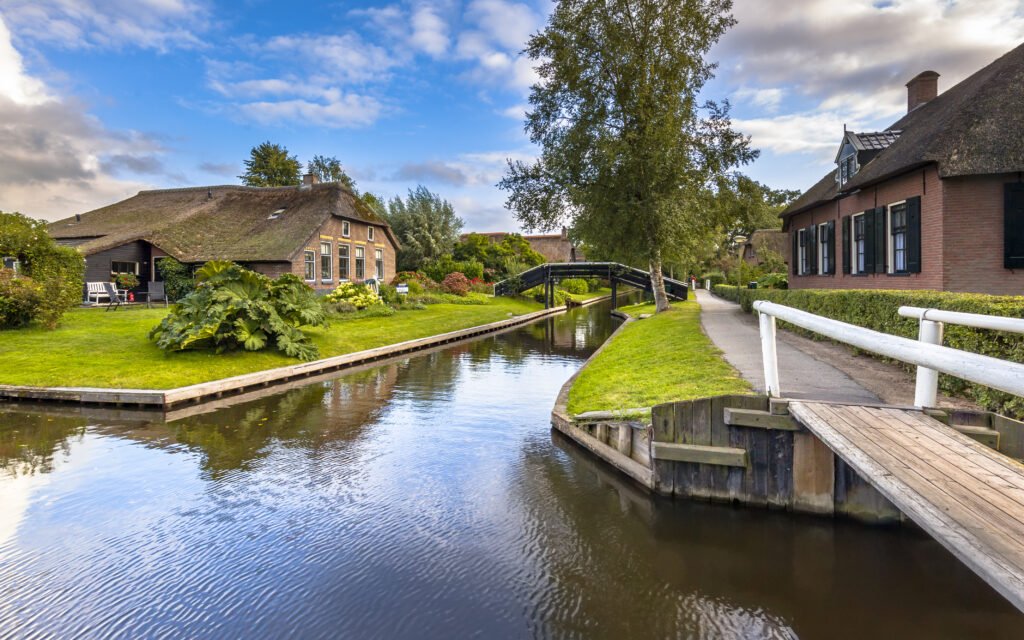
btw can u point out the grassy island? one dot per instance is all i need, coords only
(96, 348)
(661, 358)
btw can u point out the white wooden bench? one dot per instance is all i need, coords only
(94, 291)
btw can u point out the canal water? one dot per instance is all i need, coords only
(425, 498)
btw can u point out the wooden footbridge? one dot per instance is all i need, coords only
(550, 273)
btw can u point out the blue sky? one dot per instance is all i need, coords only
(101, 98)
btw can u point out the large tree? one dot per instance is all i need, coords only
(628, 154)
(747, 205)
(329, 169)
(269, 165)
(425, 224)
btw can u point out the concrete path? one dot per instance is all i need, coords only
(800, 375)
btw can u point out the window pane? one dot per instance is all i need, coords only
(343, 261)
(310, 261)
(379, 264)
(360, 263)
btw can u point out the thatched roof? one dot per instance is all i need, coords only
(197, 224)
(974, 128)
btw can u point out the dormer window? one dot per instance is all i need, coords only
(847, 167)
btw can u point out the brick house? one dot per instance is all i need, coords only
(936, 201)
(322, 233)
(762, 243)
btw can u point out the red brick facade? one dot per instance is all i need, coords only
(332, 231)
(961, 234)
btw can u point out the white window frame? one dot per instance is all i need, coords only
(822, 247)
(12, 263)
(891, 239)
(326, 275)
(135, 266)
(346, 260)
(856, 267)
(360, 273)
(346, 229)
(378, 263)
(369, 234)
(309, 260)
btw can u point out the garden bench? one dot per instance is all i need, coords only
(96, 290)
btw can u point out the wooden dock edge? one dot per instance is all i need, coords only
(172, 398)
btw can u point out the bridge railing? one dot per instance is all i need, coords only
(926, 354)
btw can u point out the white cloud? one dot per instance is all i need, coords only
(767, 99)
(80, 24)
(507, 24)
(495, 40)
(429, 32)
(345, 110)
(55, 158)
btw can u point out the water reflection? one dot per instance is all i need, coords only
(426, 497)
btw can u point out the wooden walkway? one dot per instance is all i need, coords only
(967, 496)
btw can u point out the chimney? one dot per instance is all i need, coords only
(565, 233)
(309, 180)
(923, 88)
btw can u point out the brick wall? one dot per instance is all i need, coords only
(331, 231)
(973, 233)
(923, 182)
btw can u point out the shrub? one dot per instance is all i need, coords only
(593, 284)
(234, 308)
(340, 307)
(19, 299)
(126, 280)
(727, 291)
(877, 310)
(574, 285)
(456, 284)
(359, 296)
(178, 280)
(537, 293)
(446, 298)
(389, 294)
(774, 281)
(716, 277)
(439, 268)
(57, 271)
(418, 282)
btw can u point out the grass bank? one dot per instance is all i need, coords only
(662, 358)
(590, 295)
(96, 348)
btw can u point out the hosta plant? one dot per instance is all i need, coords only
(234, 308)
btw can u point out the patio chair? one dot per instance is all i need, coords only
(113, 294)
(155, 292)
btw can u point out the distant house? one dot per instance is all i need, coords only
(554, 247)
(935, 201)
(765, 241)
(322, 233)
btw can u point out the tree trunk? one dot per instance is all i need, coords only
(658, 284)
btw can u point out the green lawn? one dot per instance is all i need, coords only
(659, 359)
(96, 348)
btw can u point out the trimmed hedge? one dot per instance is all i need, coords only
(727, 291)
(877, 310)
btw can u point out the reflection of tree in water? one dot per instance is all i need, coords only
(29, 441)
(311, 418)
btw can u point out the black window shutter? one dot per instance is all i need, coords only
(914, 234)
(1013, 226)
(869, 241)
(831, 266)
(846, 245)
(812, 234)
(881, 246)
(794, 259)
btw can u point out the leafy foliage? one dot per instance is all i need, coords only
(418, 282)
(269, 165)
(329, 169)
(178, 280)
(359, 296)
(574, 285)
(58, 272)
(511, 256)
(126, 280)
(19, 299)
(456, 284)
(234, 308)
(425, 225)
(438, 269)
(628, 154)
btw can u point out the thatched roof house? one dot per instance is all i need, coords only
(935, 201)
(321, 232)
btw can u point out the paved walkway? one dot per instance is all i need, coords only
(800, 375)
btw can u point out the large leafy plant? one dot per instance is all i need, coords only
(234, 308)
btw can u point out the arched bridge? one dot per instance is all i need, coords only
(549, 273)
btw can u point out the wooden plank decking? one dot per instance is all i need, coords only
(967, 496)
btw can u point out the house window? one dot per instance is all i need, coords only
(310, 262)
(847, 167)
(346, 228)
(326, 260)
(805, 255)
(824, 249)
(343, 250)
(898, 233)
(360, 263)
(124, 267)
(379, 264)
(369, 234)
(859, 243)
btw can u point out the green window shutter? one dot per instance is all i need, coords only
(812, 253)
(794, 258)
(869, 241)
(1013, 226)
(914, 234)
(881, 238)
(831, 238)
(847, 257)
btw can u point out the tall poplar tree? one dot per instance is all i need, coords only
(628, 153)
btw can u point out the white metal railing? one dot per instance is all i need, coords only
(927, 353)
